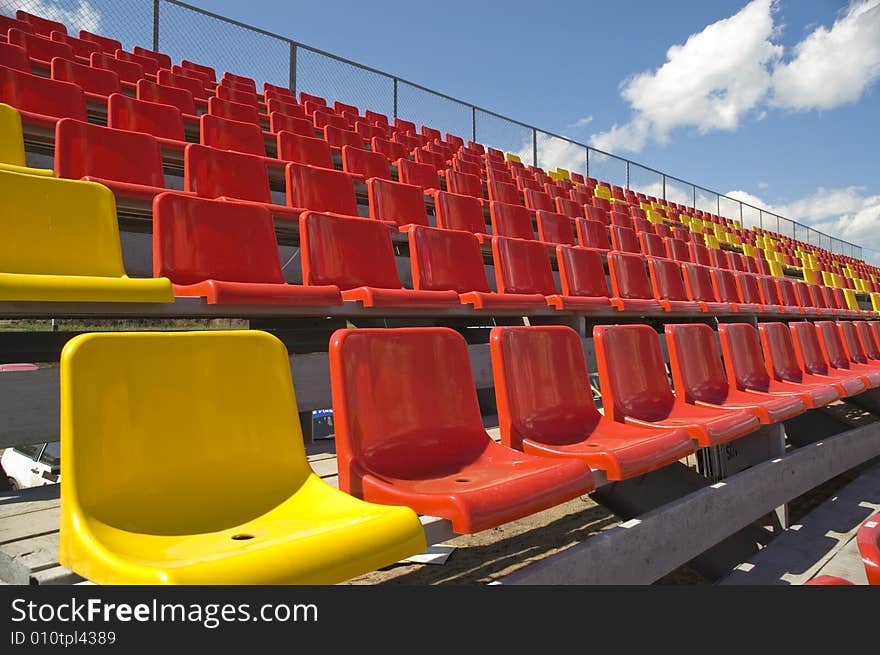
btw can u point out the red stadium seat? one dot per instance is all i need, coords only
(812, 360)
(569, 207)
(668, 286)
(356, 255)
(432, 159)
(421, 175)
(7, 23)
(279, 122)
(630, 287)
(365, 164)
(538, 201)
(82, 50)
(394, 151)
(511, 221)
(336, 138)
(457, 212)
(194, 86)
(837, 355)
(592, 234)
(699, 254)
(503, 192)
(163, 122)
(200, 68)
(646, 398)
(304, 150)
(40, 49)
(129, 72)
(449, 259)
(746, 368)
(855, 350)
(320, 189)
(367, 132)
(562, 420)
(396, 203)
(770, 296)
(624, 239)
(749, 293)
(14, 57)
(464, 184)
(163, 60)
(698, 283)
(226, 253)
(235, 176)
(150, 66)
(97, 84)
(39, 24)
(804, 297)
(581, 275)
(554, 228)
(321, 119)
(719, 259)
(106, 44)
(237, 111)
(699, 376)
(239, 80)
(435, 457)
(787, 294)
(129, 163)
(676, 249)
(868, 340)
(41, 101)
(287, 108)
(651, 245)
(523, 267)
(724, 286)
(227, 134)
(167, 95)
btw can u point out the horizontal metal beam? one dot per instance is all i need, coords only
(642, 550)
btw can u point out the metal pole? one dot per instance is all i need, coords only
(395, 97)
(292, 79)
(741, 222)
(718, 204)
(156, 25)
(473, 124)
(588, 162)
(761, 219)
(695, 197)
(627, 174)
(534, 147)
(663, 179)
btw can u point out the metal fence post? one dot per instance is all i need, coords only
(663, 182)
(473, 124)
(718, 204)
(534, 147)
(395, 97)
(156, 25)
(292, 79)
(761, 219)
(695, 197)
(588, 162)
(741, 221)
(627, 174)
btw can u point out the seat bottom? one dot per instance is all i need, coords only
(83, 288)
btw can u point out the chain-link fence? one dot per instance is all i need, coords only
(187, 32)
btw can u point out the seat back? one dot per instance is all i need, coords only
(538, 200)
(160, 58)
(676, 249)
(348, 252)
(695, 361)
(581, 272)
(698, 282)
(594, 213)
(832, 345)
(11, 137)
(167, 95)
(421, 175)
(149, 65)
(769, 291)
(624, 239)
(279, 121)
(457, 212)
(92, 80)
(554, 228)
(541, 385)
(223, 400)
(320, 189)
(569, 207)
(304, 150)
(592, 234)
(337, 137)
(128, 71)
(743, 357)
(511, 221)
(810, 355)
(724, 285)
(132, 115)
(747, 286)
(41, 95)
(106, 44)
(394, 151)
(238, 111)
(84, 149)
(212, 173)
(440, 430)
(433, 159)
(629, 277)
(632, 373)
(699, 254)
(522, 267)
(779, 351)
(651, 244)
(191, 84)
(802, 289)
(365, 163)
(666, 280)
(40, 47)
(849, 336)
(464, 184)
(446, 259)
(14, 57)
(39, 24)
(287, 108)
(393, 201)
(226, 134)
(503, 192)
(197, 239)
(201, 68)
(58, 227)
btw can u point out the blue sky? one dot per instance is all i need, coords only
(775, 102)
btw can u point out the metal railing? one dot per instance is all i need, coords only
(187, 32)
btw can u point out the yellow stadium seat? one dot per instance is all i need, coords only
(602, 192)
(563, 174)
(12, 144)
(184, 464)
(851, 300)
(646, 206)
(737, 225)
(875, 301)
(61, 244)
(653, 216)
(511, 157)
(828, 279)
(810, 275)
(749, 250)
(776, 269)
(711, 241)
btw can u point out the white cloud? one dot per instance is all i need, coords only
(709, 83)
(732, 69)
(832, 67)
(83, 16)
(582, 122)
(553, 153)
(763, 185)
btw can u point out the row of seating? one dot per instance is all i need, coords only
(429, 453)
